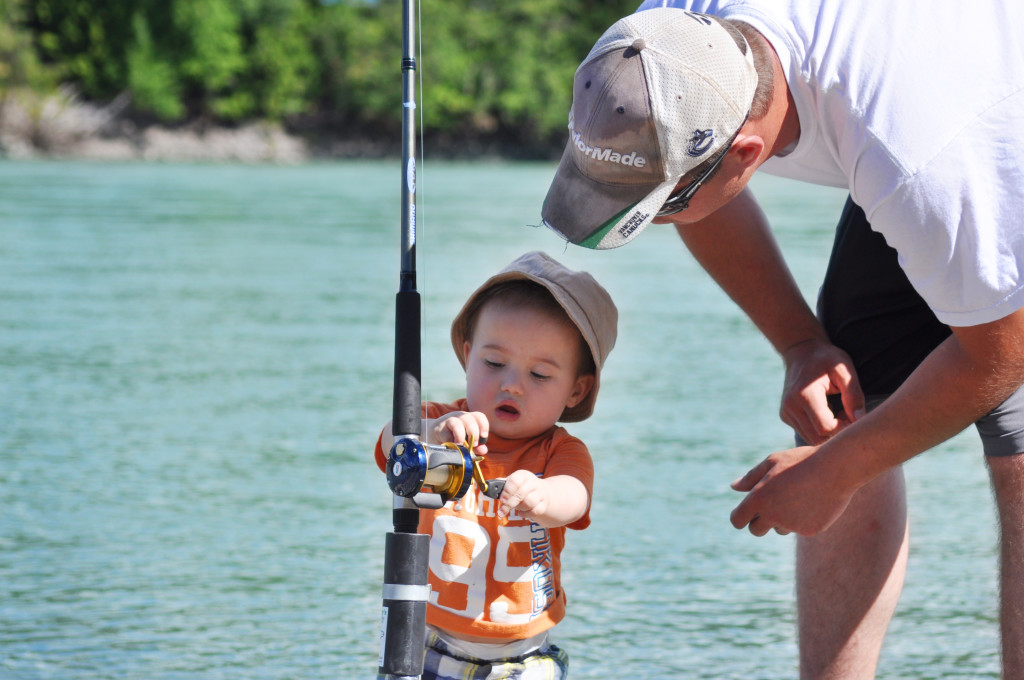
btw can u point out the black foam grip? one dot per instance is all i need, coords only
(406, 418)
(406, 559)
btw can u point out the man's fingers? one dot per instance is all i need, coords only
(800, 420)
(746, 513)
(849, 388)
(823, 421)
(758, 527)
(750, 480)
(745, 516)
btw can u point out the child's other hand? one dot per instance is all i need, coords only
(526, 493)
(550, 502)
(459, 427)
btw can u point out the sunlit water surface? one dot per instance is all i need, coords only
(195, 362)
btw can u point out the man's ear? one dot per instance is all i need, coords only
(747, 149)
(580, 390)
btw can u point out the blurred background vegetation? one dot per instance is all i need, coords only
(496, 74)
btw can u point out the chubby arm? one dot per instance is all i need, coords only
(550, 502)
(736, 247)
(806, 489)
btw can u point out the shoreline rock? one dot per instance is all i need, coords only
(61, 126)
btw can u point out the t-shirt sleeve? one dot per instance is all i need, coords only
(571, 457)
(956, 227)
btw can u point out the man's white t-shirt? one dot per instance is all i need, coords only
(918, 110)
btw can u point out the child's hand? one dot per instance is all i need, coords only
(524, 492)
(551, 502)
(459, 427)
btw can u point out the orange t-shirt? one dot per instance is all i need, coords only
(500, 578)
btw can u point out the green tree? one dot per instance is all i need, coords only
(497, 71)
(152, 78)
(211, 59)
(19, 64)
(362, 48)
(84, 41)
(282, 64)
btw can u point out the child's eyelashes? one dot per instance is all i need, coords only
(496, 364)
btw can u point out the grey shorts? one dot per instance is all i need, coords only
(1001, 429)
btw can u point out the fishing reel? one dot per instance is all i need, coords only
(429, 475)
(446, 470)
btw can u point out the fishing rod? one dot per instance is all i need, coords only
(420, 476)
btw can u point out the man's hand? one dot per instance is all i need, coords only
(735, 245)
(791, 491)
(815, 370)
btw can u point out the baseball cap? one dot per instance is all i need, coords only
(660, 92)
(587, 304)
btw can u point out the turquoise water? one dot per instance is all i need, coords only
(196, 360)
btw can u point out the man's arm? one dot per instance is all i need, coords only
(806, 489)
(735, 245)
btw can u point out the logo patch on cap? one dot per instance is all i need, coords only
(700, 142)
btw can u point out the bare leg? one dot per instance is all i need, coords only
(849, 580)
(1008, 483)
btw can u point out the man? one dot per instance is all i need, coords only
(919, 111)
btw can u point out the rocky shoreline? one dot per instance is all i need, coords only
(61, 126)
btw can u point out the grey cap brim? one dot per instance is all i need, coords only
(599, 215)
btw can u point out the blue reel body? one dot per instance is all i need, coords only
(412, 465)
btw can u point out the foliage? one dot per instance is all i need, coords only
(497, 69)
(19, 63)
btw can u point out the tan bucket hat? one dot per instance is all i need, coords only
(587, 303)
